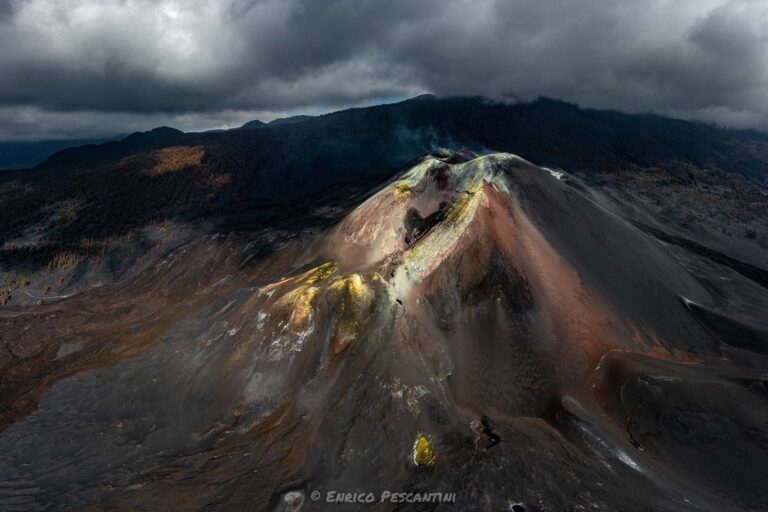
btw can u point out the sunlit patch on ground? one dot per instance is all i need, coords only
(177, 158)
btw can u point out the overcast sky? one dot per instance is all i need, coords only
(75, 68)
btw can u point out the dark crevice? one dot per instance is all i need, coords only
(417, 227)
(492, 437)
(485, 434)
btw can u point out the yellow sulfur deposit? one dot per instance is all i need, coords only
(352, 296)
(353, 284)
(465, 203)
(402, 189)
(423, 455)
(301, 298)
(320, 273)
(311, 276)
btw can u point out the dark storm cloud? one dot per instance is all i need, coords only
(102, 64)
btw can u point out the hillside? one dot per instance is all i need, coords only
(24, 154)
(685, 175)
(476, 325)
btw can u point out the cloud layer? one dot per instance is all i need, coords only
(92, 67)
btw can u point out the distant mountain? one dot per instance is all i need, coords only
(291, 120)
(280, 121)
(254, 124)
(116, 148)
(160, 135)
(23, 154)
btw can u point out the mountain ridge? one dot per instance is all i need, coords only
(643, 121)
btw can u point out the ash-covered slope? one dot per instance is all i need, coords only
(478, 326)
